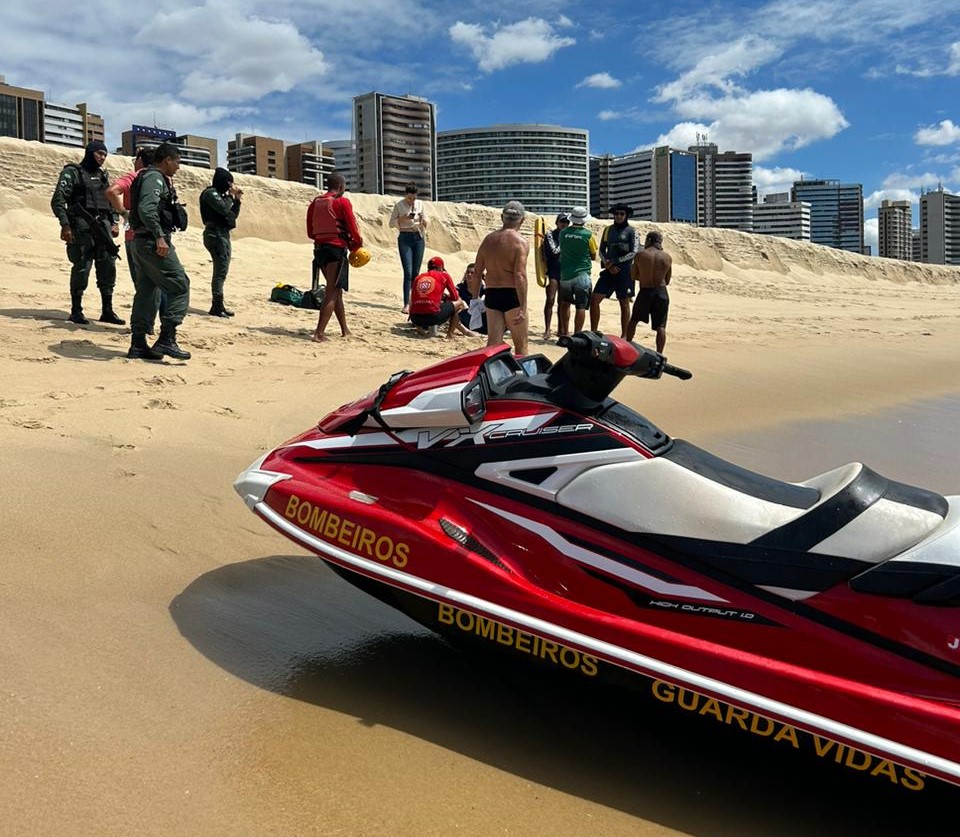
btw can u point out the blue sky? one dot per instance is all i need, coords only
(865, 91)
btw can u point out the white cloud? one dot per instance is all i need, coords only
(764, 123)
(953, 68)
(927, 68)
(716, 68)
(602, 81)
(682, 136)
(871, 235)
(528, 41)
(946, 133)
(874, 199)
(609, 115)
(248, 58)
(778, 179)
(901, 180)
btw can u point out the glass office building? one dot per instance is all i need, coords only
(836, 212)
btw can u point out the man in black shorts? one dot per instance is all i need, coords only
(502, 264)
(618, 246)
(333, 227)
(652, 269)
(434, 301)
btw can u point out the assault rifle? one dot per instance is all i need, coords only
(97, 230)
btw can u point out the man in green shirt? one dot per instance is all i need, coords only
(154, 214)
(219, 208)
(578, 249)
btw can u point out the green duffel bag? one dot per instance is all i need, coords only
(286, 295)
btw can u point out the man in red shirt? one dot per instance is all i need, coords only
(434, 301)
(333, 228)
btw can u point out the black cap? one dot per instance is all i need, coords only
(621, 207)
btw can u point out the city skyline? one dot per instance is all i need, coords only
(864, 92)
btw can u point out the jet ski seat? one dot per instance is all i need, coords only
(850, 512)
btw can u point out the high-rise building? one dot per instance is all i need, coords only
(251, 154)
(21, 112)
(545, 167)
(915, 245)
(310, 163)
(778, 215)
(724, 187)
(940, 228)
(895, 228)
(344, 160)
(396, 143)
(836, 212)
(659, 184)
(70, 126)
(197, 151)
(194, 151)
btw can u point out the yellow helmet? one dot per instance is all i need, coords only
(359, 257)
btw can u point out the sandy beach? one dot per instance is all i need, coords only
(169, 665)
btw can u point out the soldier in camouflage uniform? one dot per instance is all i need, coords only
(154, 215)
(219, 208)
(80, 204)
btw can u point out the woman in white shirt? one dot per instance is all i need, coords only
(409, 218)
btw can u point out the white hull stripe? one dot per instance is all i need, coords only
(628, 659)
(600, 562)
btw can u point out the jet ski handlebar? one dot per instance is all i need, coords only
(593, 348)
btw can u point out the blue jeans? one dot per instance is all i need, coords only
(410, 245)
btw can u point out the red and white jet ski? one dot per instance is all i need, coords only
(515, 502)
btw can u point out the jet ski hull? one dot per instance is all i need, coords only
(398, 550)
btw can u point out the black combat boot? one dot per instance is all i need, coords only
(167, 344)
(218, 309)
(139, 350)
(109, 315)
(76, 310)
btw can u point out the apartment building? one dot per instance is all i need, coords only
(724, 187)
(73, 126)
(895, 230)
(310, 163)
(836, 212)
(344, 160)
(251, 154)
(940, 228)
(778, 215)
(21, 112)
(396, 143)
(545, 167)
(660, 184)
(194, 151)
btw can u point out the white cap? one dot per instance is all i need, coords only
(578, 214)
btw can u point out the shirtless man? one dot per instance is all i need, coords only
(651, 270)
(502, 264)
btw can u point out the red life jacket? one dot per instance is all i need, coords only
(325, 226)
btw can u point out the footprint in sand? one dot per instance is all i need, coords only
(163, 381)
(160, 404)
(227, 412)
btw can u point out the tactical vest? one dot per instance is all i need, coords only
(90, 190)
(172, 213)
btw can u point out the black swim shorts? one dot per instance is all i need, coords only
(620, 282)
(323, 254)
(427, 320)
(652, 305)
(502, 299)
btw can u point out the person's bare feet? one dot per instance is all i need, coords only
(346, 333)
(405, 309)
(547, 334)
(318, 337)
